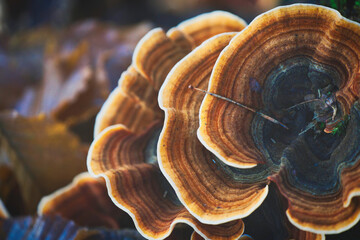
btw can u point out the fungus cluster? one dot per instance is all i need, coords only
(207, 162)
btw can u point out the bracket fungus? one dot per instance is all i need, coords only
(127, 161)
(304, 60)
(127, 130)
(212, 161)
(209, 193)
(86, 202)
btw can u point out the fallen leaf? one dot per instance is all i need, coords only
(10, 191)
(68, 90)
(42, 153)
(17, 71)
(55, 227)
(79, 69)
(37, 228)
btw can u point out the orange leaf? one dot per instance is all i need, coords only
(43, 154)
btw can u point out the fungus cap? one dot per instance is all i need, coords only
(127, 130)
(284, 57)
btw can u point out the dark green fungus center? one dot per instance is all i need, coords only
(321, 139)
(165, 190)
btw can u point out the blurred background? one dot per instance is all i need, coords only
(26, 14)
(33, 29)
(62, 58)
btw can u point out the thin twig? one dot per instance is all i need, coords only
(241, 105)
(308, 101)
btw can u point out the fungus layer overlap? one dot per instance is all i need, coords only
(218, 157)
(210, 193)
(134, 101)
(128, 125)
